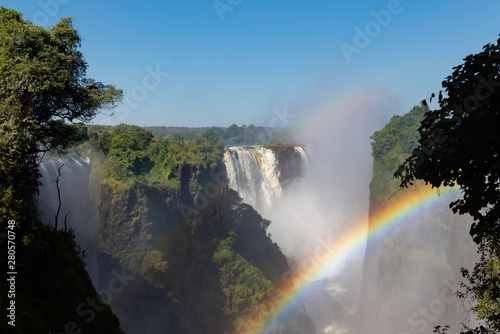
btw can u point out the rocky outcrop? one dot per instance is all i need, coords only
(166, 239)
(292, 162)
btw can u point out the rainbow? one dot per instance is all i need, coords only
(348, 112)
(400, 209)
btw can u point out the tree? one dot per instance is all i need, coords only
(233, 132)
(43, 86)
(459, 145)
(460, 142)
(212, 138)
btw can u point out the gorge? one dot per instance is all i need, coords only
(164, 238)
(189, 244)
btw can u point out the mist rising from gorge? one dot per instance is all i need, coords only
(307, 214)
(334, 191)
(79, 203)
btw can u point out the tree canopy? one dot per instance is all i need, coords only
(459, 142)
(234, 134)
(43, 86)
(133, 154)
(459, 145)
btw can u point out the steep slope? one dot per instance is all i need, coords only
(410, 274)
(53, 291)
(198, 259)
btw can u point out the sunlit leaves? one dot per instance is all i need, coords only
(43, 85)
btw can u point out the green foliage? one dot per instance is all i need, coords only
(176, 255)
(152, 268)
(281, 137)
(390, 147)
(423, 250)
(53, 284)
(133, 155)
(234, 134)
(43, 84)
(245, 286)
(100, 137)
(484, 289)
(458, 144)
(81, 132)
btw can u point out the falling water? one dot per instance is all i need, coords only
(254, 172)
(303, 154)
(77, 203)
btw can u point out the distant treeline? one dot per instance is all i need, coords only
(233, 134)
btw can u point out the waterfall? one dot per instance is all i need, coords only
(76, 201)
(258, 173)
(303, 154)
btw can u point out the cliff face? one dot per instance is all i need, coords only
(57, 269)
(197, 255)
(411, 274)
(292, 161)
(53, 291)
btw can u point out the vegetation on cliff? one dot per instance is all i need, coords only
(245, 286)
(168, 217)
(54, 293)
(390, 147)
(458, 144)
(430, 248)
(133, 155)
(43, 85)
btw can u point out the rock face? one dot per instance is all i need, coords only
(292, 162)
(411, 273)
(410, 276)
(260, 173)
(169, 244)
(57, 288)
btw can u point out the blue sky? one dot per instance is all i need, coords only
(235, 61)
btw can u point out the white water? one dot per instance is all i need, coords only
(252, 172)
(76, 201)
(303, 154)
